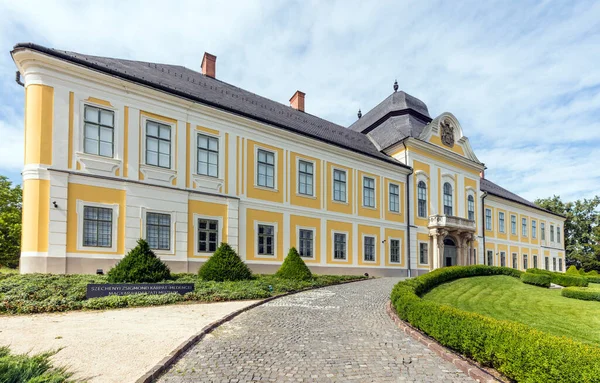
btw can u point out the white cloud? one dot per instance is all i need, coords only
(516, 75)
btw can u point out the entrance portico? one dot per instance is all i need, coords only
(451, 241)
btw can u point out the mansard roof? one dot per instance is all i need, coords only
(491, 188)
(186, 83)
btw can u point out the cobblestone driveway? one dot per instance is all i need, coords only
(334, 334)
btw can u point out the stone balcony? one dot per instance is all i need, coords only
(451, 223)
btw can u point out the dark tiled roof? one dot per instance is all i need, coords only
(493, 189)
(395, 129)
(189, 84)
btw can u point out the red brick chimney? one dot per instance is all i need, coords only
(209, 65)
(297, 101)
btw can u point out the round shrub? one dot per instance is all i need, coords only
(140, 265)
(224, 265)
(293, 267)
(572, 270)
(593, 273)
(536, 279)
(583, 293)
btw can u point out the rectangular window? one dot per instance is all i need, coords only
(502, 259)
(339, 246)
(368, 192)
(305, 178)
(339, 185)
(543, 230)
(158, 144)
(208, 235)
(551, 233)
(422, 199)
(513, 224)
(514, 261)
(524, 261)
(306, 243)
(423, 253)
(488, 219)
(553, 264)
(97, 226)
(266, 240)
(546, 263)
(266, 169)
(369, 249)
(208, 156)
(501, 227)
(559, 264)
(394, 251)
(533, 229)
(158, 231)
(524, 227)
(99, 131)
(394, 198)
(558, 234)
(490, 258)
(535, 262)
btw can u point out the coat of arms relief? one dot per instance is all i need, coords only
(447, 133)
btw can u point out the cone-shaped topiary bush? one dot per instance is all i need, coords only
(572, 270)
(593, 273)
(293, 267)
(140, 265)
(224, 265)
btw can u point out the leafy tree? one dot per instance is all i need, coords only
(581, 229)
(11, 198)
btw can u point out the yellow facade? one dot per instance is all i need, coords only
(254, 217)
(340, 227)
(298, 222)
(264, 193)
(39, 118)
(338, 206)
(36, 208)
(366, 211)
(310, 201)
(213, 210)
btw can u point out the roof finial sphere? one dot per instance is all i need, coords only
(359, 114)
(395, 85)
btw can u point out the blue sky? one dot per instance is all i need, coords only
(523, 78)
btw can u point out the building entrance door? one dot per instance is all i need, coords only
(449, 252)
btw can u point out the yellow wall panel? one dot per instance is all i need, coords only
(336, 206)
(436, 140)
(210, 209)
(39, 117)
(263, 193)
(297, 222)
(367, 211)
(296, 198)
(395, 234)
(390, 215)
(36, 215)
(425, 169)
(373, 231)
(342, 227)
(267, 217)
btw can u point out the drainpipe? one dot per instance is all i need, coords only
(483, 224)
(18, 78)
(407, 209)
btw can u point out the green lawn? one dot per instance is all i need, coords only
(507, 298)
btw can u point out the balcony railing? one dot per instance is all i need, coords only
(451, 222)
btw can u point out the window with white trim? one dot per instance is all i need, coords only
(471, 207)
(558, 234)
(535, 261)
(339, 246)
(515, 260)
(158, 230)
(524, 227)
(158, 144)
(524, 261)
(394, 251)
(502, 259)
(305, 243)
(559, 264)
(97, 226)
(490, 258)
(208, 156)
(423, 253)
(551, 233)
(501, 227)
(488, 219)
(448, 199)
(369, 248)
(99, 131)
(422, 199)
(543, 230)
(265, 169)
(266, 239)
(368, 192)
(546, 263)
(513, 224)
(208, 235)
(553, 264)
(394, 191)
(305, 177)
(533, 229)
(339, 185)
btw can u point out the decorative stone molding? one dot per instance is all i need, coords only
(97, 164)
(451, 223)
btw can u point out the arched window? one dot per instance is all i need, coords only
(471, 207)
(422, 199)
(447, 199)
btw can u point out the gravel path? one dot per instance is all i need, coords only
(334, 334)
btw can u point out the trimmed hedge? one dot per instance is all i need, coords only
(140, 265)
(562, 279)
(582, 293)
(516, 350)
(592, 279)
(293, 267)
(541, 280)
(572, 270)
(224, 265)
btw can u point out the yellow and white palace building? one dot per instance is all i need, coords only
(117, 150)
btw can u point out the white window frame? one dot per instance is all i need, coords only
(543, 231)
(374, 207)
(275, 234)
(552, 233)
(333, 170)
(525, 260)
(424, 180)
(144, 211)
(220, 155)
(471, 194)
(524, 227)
(314, 184)
(314, 240)
(452, 191)
(115, 132)
(275, 167)
(533, 226)
(558, 235)
(173, 161)
(80, 204)
(375, 246)
(503, 255)
(389, 241)
(501, 223)
(419, 252)
(487, 257)
(333, 233)
(219, 235)
(516, 231)
(390, 184)
(491, 222)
